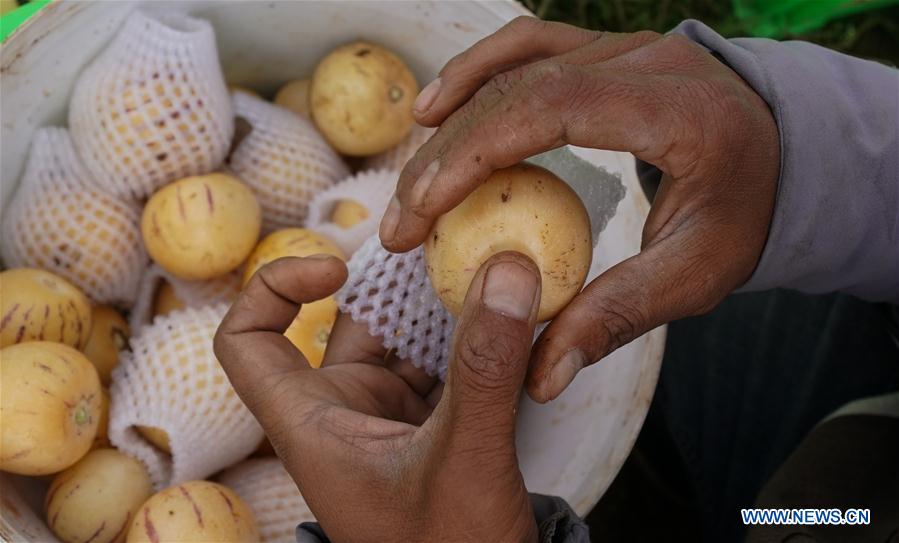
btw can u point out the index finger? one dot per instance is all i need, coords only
(352, 342)
(612, 105)
(522, 40)
(250, 342)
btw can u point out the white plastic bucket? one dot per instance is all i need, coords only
(572, 447)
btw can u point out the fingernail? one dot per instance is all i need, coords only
(426, 97)
(320, 256)
(390, 221)
(420, 188)
(564, 371)
(510, 289)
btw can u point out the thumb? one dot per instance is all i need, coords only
(687, 273)
(489, 355)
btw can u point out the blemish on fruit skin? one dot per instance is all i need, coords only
(19, 454)
(505, 197)
(157, 231)
(8, 316)
(118, 533)
(228, 501)
(79, 326)
(97, 533)
(181, 210)
(28, 312)
(62, 323)
(40, 335)
(54, 490)
(209, 199)
(149, 528)
(66, 363)
(189, 498)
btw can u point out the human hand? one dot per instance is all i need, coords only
(533, 86)
(361, 436)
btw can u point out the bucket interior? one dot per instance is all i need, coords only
(572, 447)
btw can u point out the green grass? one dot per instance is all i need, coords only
(873, 34)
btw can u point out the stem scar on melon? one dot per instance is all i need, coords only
(361, 99)
(50, 403)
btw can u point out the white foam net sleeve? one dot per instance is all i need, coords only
(223, 289)
(283, 159)
(59, 222)
(371, 188)
(272, 495)
(396, 158)
(153, 106)
(171, 380)
(392, 294)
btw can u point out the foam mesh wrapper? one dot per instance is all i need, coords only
(196, 294)
(59, 221)
(171, 380)
(371, 188)
(152, 107)
(392, 293)
(274, 498)
(283, 159)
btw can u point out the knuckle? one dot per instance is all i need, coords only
(620, 324)
(489, 358)
(552, 85)
(523, 24)
(705, 297)
(705, 277)
(677, 43)
(454, 65)
(503, 82)
(671, 53)
(464, 66)
(547, 78)
(646, 36)
(721, 120)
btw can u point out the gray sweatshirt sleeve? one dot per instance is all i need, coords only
(558, 523)
(836, 218)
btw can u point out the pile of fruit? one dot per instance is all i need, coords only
(134, 228)
(129, 234)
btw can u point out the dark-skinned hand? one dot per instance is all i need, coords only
(375, 454)
(533, 86)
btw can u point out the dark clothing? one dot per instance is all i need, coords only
(742, 386)
(557, 522)
(847, 462)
